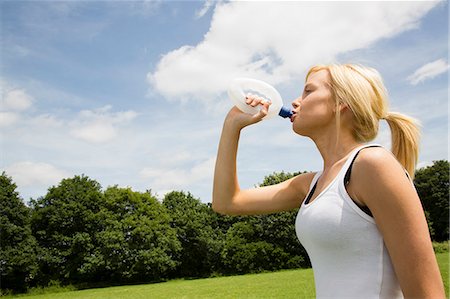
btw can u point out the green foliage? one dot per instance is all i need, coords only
(279, 228)
(265, 242)
(64, 223)
(441, 247)
(201, 244)
(18, 255)
(92, 236)
(136, 242)
(432, 184)
(244, 255)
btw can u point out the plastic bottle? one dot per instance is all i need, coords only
(240, 87)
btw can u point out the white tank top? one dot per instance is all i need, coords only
(346, 249)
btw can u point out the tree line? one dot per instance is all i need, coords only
(82, 235)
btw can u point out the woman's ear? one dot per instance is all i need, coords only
(343, 107)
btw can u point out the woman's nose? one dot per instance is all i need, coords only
(296, 103)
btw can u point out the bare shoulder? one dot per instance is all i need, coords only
(373, 161)
(375, 172)
(302, 182)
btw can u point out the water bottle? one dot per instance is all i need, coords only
(240, 87)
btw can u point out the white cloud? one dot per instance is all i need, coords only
(429, 71)
(173, 156)
(100, 125)
(205, 8)
(16, 99)
(27, 173)
(204, 169)
(144, 7)
(8, 119)
(163, 179)
(276, 41)
(94, 126)
(95, 132)
(46, 120)
(13, 103)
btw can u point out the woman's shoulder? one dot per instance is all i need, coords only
(377, 164)
(376, 158)
(302, 182)
(379, 178)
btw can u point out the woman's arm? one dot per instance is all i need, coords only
(228, 198)
(381, 183)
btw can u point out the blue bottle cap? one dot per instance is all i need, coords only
(285, 112)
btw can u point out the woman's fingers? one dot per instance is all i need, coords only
(263, 104)
(241, 119)
(263, 110)
(254, 100)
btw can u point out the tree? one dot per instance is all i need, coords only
(201, 244)
(64, 223)
(137, 242)
(244, 252)
(432, 184)
(263, 242)
(279, 228)
(18, 255)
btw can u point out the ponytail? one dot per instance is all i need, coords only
(405, 140)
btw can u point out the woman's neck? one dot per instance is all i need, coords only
(333, 148)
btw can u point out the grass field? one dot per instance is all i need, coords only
(282, 284)
(442, 259)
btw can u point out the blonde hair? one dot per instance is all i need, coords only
(362, 90)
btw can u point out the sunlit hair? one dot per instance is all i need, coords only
(362, 90)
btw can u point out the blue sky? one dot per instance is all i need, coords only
(133, 93)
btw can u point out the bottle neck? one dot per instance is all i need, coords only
(285, 112)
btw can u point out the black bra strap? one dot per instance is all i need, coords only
(349, 170)
(365, 209)
(311, 193)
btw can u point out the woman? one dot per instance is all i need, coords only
(360, 218)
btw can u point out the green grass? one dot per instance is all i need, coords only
(442, 259)
(282, 284)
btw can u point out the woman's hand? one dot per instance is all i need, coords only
(241, 119)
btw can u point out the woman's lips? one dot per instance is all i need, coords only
(293, 116)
